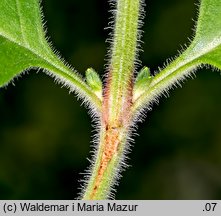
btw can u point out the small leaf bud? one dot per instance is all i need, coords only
(94, 81)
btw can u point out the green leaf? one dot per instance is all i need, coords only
(207, 41)
(204, 49)
(23, 46)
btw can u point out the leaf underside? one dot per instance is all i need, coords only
(23, 46)
(205, 48)
(22, 39)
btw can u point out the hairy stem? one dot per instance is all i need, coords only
(116, 117)
(74, 82)
(171, 75)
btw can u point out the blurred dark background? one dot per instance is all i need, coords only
(45, 133)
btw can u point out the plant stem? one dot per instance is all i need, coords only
(116, 116)
(171, 75)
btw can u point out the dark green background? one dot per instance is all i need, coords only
(45, 133)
